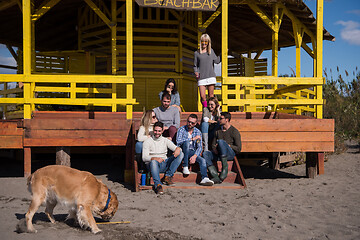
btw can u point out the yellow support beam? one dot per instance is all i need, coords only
(262, 15)
(129, 55)
(26, 6)
(212, 18)
(275, 41)
(97, 10)
(200, 31)
(224, 50)
(293, 18)
(298, 36)
(319, 53)
(44, 8)
(113, 51)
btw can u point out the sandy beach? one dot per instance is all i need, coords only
(276, 205)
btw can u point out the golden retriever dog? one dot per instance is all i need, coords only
(83, 193)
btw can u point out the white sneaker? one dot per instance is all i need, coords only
(206, 182)
(186, 171)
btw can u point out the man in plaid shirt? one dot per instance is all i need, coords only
(189, 138)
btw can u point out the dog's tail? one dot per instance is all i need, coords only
(29, 182)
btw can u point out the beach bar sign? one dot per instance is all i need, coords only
(194, 5)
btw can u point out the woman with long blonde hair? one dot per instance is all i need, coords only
(204, 60)
(148, 120)
(209, 123)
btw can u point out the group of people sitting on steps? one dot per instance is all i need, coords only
(160, 130)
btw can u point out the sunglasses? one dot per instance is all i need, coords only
(153, 117)
(205, 42)
(192, 123)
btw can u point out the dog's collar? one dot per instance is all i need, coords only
(107, 202)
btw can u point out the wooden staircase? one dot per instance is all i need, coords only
(234, 180)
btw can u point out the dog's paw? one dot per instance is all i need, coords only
(31, 230)
(96, 231)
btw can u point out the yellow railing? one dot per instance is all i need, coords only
(257, 94)
(66, 90)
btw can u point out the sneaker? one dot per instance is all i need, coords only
(186, 171)
(167, 180)
(159, 189)
(206, 182)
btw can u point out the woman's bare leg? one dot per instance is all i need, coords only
(211, 90)
(202, 90)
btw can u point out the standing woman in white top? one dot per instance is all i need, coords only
(204, 60)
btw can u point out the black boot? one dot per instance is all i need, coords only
(214, 174)
(224, 170)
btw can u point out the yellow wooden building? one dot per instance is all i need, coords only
(115, 55)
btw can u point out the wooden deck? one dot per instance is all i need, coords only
(260, 132)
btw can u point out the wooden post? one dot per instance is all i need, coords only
(311, 164)
(320, 163)
(274, 161)
(63, 156)
(27, 162)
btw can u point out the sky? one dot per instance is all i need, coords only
(341, 19)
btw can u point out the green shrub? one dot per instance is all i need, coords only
(342, 103)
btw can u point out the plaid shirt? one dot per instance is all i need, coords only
(183, 135)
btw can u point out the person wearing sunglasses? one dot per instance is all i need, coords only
(190, 140)
(225, 144)
(171, 88)
(204, 59)
(146, 131)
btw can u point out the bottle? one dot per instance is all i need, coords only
(148, 178)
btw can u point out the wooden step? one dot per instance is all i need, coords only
(195, 167)
(183, 185)
(194, 178)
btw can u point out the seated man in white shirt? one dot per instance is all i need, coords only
(154, 153)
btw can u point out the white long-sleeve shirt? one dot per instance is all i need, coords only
(156, 147)
(141, 136)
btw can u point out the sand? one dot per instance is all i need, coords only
(276, 205)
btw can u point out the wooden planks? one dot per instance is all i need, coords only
(76, 124)
(286, 135)
(73, 142)
(76, 132)
(11, 137)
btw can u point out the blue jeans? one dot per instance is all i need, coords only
(223, 149)
(205, 129)
(188, 153)
(138, 147)
(169, 167)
